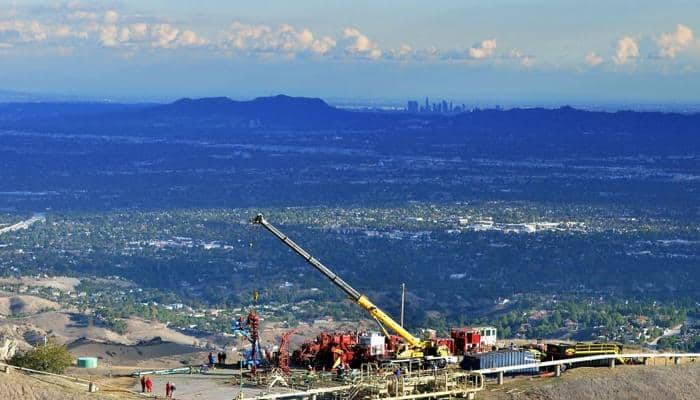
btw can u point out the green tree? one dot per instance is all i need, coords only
(51, 357)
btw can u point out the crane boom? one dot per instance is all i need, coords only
(360, 299)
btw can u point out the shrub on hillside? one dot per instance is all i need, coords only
(51, 357)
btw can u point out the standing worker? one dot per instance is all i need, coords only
(149, 385)
(167, 390)
(143, 383)
(172, 390)
(211, 360)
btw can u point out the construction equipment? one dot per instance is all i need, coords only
(248, 329)
(564, 351)
(283, 356)
(412, 348)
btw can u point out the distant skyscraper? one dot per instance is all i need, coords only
(412, 106)
(427, 105)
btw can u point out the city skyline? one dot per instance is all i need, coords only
(517, 52)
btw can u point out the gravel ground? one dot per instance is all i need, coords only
(622, 383)
(18, 386)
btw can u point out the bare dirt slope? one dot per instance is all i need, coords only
(63, 283)
(150, 353)
(25, 305)
(16, 386)
(624, 383)
(139, 329)
(65, 326)
(68, 326)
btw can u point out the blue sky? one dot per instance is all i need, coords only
(497, 51)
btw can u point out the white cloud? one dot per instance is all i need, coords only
(74, 24)
(404, 52)
(83, 15)
(262, 39)
(672, 43)
(108, 35)
(323, 45)
(360, 44)
(62, 31)
(138, 31)
(627, 50)
(482, 50)
(164, 36)
(190, 38)
(88, 29)
(21, 31)
(124, 35)
(306, 37)
(526, 60)
(111, 17)
(593, 59)
(39, 31)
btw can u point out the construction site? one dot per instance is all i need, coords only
(388, 362)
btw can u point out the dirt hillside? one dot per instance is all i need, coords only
(25, 305)
(623, 383)
(17, 386)
(62, 283)
(145, 353)
(68, 326)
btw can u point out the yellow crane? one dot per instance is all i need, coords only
(413, 346)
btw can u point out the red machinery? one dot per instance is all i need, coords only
(414, 349)
(327, 351)
(449, 343)
(330, 350)
(466, 340)
(253, 322)
(283, 359)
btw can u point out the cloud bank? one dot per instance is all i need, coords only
(81, 27)
(627, 51)
(670, 44)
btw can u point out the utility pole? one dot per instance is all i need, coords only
(403, 300)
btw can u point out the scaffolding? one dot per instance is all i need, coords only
(372, 383)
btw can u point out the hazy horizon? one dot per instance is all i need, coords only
(388, 103)
(534, 52)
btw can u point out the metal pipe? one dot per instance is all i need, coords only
(349, 290)
(362, 300)
(403, 300)
(575, 360)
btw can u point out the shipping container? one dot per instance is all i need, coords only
(502, 358)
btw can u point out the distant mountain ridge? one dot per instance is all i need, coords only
(223, 116)
(276, 111)
(260, 105)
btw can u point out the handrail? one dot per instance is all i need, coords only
(575, 360)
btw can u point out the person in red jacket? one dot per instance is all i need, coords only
(149, 385)
(167, 390)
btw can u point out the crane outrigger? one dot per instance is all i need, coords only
(413, 348)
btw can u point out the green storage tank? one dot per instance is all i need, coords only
(87, 362)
